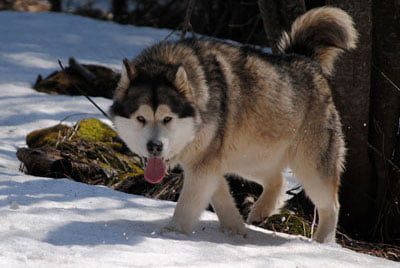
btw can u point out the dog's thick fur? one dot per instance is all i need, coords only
(239, 110)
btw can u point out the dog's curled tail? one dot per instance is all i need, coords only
(322, 34)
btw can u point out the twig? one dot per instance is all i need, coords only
(71, 115)
(254, 28)
(84, 72)
(169, 35)
(84, 93)
(186, 23)
(313, 222)
(373, 148)
(386, 77)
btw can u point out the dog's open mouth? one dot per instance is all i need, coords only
(155, 169)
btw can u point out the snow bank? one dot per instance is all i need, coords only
(60, 223)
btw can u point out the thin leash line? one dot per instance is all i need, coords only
(84, 93)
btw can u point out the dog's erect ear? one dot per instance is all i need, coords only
(129, 69)
(181, 82)
(128, 74)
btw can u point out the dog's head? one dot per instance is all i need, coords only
(154, 114)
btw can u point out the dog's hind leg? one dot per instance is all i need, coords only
(317, 159)
(198, 188)
(228, 215)
(319, 172)
(269, 200)
(323, 192)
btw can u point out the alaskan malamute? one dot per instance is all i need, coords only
(216, 108)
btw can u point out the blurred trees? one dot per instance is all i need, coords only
(236, 20)
(119, 9)
(25, 5)
(56, 5)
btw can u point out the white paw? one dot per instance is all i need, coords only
(168, 229)
(258, 214)
(234, 229)
(232, 224)
(174, 227)
(171, 232)
(171, 227)
(324, 237)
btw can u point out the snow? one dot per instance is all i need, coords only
(46, 222)
(60, 223)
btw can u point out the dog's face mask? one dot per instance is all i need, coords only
(154, 118)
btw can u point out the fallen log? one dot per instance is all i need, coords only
(93, 80)
(43, 162)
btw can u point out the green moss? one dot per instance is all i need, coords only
(122, 166)
(133, 169)
(290, 223)
(46, 136)
(117, 146)
(125, 176)
(92, 129)
(96, 154)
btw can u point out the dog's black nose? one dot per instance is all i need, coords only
(155, 147)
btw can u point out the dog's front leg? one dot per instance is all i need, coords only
(228, 215)
(198, 188)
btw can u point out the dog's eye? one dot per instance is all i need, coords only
(167, 119)
(141, 119)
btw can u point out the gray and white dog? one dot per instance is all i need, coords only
(217, 108)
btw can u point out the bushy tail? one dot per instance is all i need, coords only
(322, 34)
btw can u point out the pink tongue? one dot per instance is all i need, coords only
(154, 171)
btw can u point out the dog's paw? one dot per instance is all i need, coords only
(258, 215)
(234, 229)
(173, 227)
(232, 224)
(168, 229)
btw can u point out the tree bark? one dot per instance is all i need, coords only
(50, 162)
(56, 5)
(351, 90)
(384, 115)
(277, 16)
(119, 10)
(39, 162)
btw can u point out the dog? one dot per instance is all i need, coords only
(217, 108)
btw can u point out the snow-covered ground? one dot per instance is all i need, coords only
(61, 223)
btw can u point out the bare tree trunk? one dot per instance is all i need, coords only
(119, 10)
(56, 5)
(384, 115)
(351, 88)
(277, 16)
